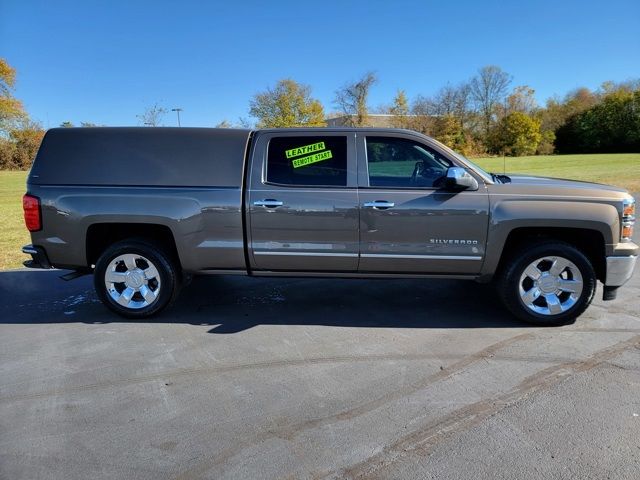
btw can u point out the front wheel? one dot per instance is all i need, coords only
(551, 283)
(135, 279)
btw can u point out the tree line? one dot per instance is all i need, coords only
(484, 115)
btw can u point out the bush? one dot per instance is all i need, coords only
(546, 146)
(515, 135)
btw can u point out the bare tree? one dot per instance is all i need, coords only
(522, 99)
(488, 90)
(244, 122)
(450, 100)
(352, 99)
(152, 116)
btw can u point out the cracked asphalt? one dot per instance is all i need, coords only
(314, 378)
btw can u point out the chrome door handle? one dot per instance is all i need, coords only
(268, 203)
(380, 204)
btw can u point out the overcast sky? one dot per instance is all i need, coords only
(103, 62)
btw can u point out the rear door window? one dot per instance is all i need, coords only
(307, 161)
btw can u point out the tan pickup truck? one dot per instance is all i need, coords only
(145, 208)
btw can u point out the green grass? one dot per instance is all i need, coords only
(13, 234)
(622, 170)
(615, 169)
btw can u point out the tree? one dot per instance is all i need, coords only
(516, 134)
(11, 109)
(18, 150)
(88, 124)
(152, 116)
(7, 77)
(488, 89)
(66, 124)
(613, 125)
(449, 100)
(448, 130)
(224, 124)
(289, 104)
(353, 97)
(400, 110)
(557, 111)
(19, 136)
(522, 99)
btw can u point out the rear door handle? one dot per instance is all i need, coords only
(268, 203)
(380, 204)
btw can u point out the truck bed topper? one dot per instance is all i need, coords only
(140, 156)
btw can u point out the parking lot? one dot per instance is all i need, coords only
(313, 378)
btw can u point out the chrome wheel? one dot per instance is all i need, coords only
(132, 281)
(550, 285)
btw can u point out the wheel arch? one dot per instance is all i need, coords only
(592, 227)
(101, 235)
(589, 241)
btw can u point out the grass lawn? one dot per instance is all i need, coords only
(13, 234)
(621, 169)
(616, 169)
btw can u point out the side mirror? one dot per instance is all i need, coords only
(459, 179)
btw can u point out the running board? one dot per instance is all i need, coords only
(75, 274)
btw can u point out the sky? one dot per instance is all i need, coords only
(106, 61)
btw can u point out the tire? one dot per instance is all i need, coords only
(549, 283)
(136, 279)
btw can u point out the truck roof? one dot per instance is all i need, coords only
(153, 156)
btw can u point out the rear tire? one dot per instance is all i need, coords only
(136, 279)
(549, 284)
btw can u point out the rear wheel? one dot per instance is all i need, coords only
(551, 283)
(135, 279)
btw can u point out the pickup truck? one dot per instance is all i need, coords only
(144, 209)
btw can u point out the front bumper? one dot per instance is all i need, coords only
(619, 269)
(39, 257)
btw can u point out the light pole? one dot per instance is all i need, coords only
(177, 110)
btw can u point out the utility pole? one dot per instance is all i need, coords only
(177, 110)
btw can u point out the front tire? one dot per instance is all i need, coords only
(550, 283)
(135, 279)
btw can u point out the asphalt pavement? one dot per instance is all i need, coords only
(314, 378)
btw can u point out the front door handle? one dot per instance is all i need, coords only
(380, 204)
(268, 203)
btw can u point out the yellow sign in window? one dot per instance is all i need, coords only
(305, 150)
(308, 160)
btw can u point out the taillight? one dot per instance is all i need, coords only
(628, 218)
(32, 215)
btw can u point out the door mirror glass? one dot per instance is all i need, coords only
(459, 179)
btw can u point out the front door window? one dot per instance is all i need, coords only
(403, 163)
